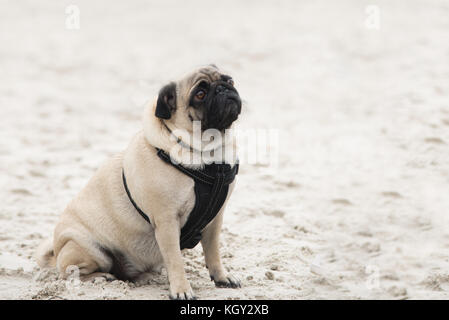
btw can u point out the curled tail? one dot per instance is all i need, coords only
(44, 255)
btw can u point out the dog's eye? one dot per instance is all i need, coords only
(200, 95)
(231, 82)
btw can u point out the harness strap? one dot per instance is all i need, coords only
(197, 174)
(132, 200)
(211, 189)
(191, 232)
(178, 139)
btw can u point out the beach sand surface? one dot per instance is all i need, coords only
(356, 206)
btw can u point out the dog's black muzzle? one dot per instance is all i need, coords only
(223, 108)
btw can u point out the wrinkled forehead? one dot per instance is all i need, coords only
(209, 74)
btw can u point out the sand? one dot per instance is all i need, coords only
(357, 207)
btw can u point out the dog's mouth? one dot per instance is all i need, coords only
(222, 113)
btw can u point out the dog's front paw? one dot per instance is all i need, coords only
(189, 295)
(228, 281)
(182, 293)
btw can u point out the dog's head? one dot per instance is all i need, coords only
(205, 95)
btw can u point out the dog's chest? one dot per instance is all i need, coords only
(186, 207)
(210, 191)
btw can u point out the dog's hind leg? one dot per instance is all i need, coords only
(92, 276)
(72, 258)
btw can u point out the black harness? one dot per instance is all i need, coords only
(211, 189)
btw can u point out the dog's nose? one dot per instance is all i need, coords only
(221, 89)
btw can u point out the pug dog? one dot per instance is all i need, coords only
(101, 232)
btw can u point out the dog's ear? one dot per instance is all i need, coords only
(166, 101)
